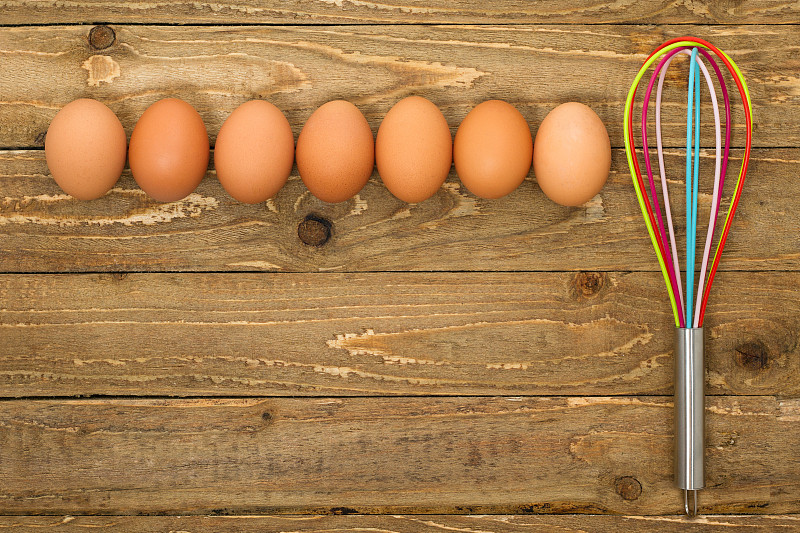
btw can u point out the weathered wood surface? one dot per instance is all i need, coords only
(216, 68)
(404, 523)
(43, 230)
(409, 11)
(389, 455)
(375, 334)
(442, 340)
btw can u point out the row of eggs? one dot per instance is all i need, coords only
(85, 148)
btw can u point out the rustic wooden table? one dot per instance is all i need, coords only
(459, 365)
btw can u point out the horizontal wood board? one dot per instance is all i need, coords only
(408, 11)
(385, 333)
(404, 523)
(389, 455)
(298, 68)
(44, 230)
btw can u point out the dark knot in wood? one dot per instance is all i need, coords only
(628, 488)
(314, 230)
(588, 284)
(752, 355)
(101, 37)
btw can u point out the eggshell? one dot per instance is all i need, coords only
(572, 154)
(493, 149)
(169, 150)
(414, 149)
(85, 149)
(335, 152)
(254, 152)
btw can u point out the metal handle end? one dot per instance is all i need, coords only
(686, 500)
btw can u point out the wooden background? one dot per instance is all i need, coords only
(456, 365)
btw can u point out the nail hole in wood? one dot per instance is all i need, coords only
(101, 37)
(266, 416)
(314, 230)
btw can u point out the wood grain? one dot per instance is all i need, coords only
(331, 380)
(439, 11)
(404, 523)
(299, 68)
(389, 455)
(43, 230)
(377, 334)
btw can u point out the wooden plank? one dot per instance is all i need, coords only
(404, 523)
(424, 11)
(43, 230)
(389, 455)
(300, 67)
(377, 334)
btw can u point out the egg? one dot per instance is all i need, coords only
(572, 154)
(335, 152)
(85, 149)
(254, 152)
(414, 149)
(169, 150)
(493, 149)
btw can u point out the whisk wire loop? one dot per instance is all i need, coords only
(658, 238)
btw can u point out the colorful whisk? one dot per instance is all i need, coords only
(688, 307)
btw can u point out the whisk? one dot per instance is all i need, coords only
(688, 311)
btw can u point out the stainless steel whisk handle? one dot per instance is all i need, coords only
(689, 413)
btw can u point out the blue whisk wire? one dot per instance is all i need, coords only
(696, 173)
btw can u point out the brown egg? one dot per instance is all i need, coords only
(414, 149)
(493, 149)
(335, 152)
(168, 153)
(85, 149)
(572, 156)
(254, 152)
